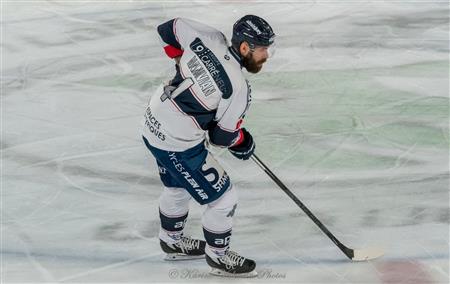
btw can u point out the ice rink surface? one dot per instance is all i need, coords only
(352, 114)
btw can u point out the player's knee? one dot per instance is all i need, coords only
(174, 200)
(226, 204)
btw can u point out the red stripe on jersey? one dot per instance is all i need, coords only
(238, 124)
(240, 139)
(172, 52)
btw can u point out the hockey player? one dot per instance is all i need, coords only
(206, 100)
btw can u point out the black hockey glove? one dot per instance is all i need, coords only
(246, 148)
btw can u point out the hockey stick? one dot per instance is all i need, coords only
(353, 254)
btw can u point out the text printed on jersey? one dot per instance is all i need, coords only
(214, 68)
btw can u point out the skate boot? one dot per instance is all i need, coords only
(231, 264)
(186, 248)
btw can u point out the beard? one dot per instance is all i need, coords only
(251, 65)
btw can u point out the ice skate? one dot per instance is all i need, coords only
(187, 248)
(231, 264)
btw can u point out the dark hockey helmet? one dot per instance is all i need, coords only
(254, 30)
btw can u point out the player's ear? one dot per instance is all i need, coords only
(244, 49)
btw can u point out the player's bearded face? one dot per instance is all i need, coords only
(254, 59)
(252, 64)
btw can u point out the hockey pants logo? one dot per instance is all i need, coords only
(194, 170)
(215, 174)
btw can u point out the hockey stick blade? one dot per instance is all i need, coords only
(367, 254)
(355, 255)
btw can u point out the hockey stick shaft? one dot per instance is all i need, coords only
(347, 251)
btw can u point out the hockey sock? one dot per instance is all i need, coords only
(171, 227)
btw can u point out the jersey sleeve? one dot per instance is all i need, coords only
(168, 34)
(178, 33)
(230, 114)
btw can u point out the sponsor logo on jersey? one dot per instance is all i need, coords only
(204, 81)
(187, 176)
(213, 67)
(215, 174)
(153, 125)
(223, 182)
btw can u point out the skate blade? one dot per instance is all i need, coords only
(181, 256)
(218, 272)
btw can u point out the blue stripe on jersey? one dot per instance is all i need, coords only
(178, 78)
(236, 55)
(189, 105)
(166, 33)
(221, 137)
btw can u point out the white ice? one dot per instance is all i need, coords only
(352, 114)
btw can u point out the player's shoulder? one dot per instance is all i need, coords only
(203, 31)
(228, 73)
(222, 65)
(234, 70)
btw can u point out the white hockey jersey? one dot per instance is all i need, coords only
(212, 96)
